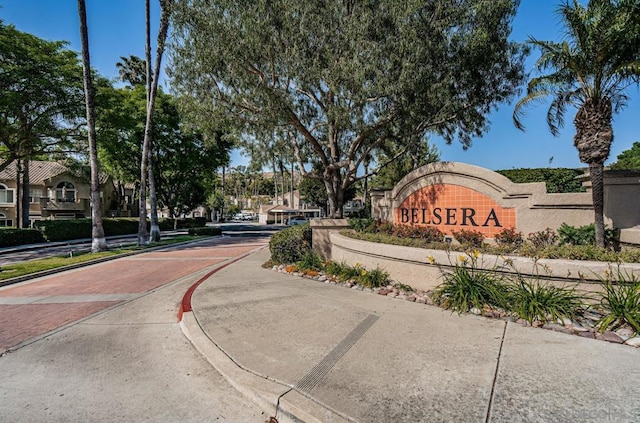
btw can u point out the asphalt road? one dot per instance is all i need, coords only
(102, 343)
(16, 255)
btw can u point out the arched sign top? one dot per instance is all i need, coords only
(480, 179)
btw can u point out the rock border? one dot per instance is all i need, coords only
(583, 326)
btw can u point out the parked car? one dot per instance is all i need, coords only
(297, 220)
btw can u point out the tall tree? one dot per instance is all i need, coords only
(345, 76)
(132, 70)
(152, 89)
(392, 171)
(98, 240)
(628, 159)
(590, 71)
(41, 106)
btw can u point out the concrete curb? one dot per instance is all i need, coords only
(274, 397)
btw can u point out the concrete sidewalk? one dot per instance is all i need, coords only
(313, 352)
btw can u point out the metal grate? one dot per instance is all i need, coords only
(311, 379)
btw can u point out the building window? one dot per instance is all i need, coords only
(66, 192)
(35, 194)
(4, 222)
(6, 195)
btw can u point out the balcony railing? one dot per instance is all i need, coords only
(64, 205)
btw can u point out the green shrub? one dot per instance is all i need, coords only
(291, 244)
(310, 261)
(373, 278)
(584, 235)
(167, 224)
(557, 180)
(64, 230)
(620, 302)
(205, 231)
(333, 268)
(120, 226)
(534, 300)
(361, 225)
(509, 237)
(10, 237)
(467, 287)
(349, 273)
(468, 237)
(543, 239)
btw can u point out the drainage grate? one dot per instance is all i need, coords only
(311, 379)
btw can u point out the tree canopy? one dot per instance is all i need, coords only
(338, 79)
(42, 102)
(628, 159)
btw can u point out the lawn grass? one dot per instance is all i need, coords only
(34, 266)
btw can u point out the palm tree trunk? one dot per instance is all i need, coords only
(597, 192)
(25, 192)
(153, 202)
(18, 192)
(98, 241)
(152, 90)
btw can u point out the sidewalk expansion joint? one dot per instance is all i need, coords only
(495, 375)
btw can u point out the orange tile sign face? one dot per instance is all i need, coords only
(454, 207)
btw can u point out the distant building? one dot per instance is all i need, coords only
(55, 192)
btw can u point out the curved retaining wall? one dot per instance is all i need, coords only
(412, 266)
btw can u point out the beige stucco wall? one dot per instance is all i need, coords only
(322, 229)
(535, 209)
(411, 266)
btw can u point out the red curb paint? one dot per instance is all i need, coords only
(185, 304)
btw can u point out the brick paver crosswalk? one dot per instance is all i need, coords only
(31, 309)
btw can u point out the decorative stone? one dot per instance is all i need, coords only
(392, 294)
(411, 298)
(383, 291)
(625, 333)
(475, 311)
(537, 324)
(565, 321)
(610, 336)
(577, 327)
(557, 328)
(401, 297)
(588, 334)
(421, 300)
(322, 278)
(634, 342)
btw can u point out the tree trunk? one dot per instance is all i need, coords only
(18, 192)
(153, 202)
(26, 197)
(335, 193)
(98, 240)
(597, 193)
(593, 139)
(152, 90)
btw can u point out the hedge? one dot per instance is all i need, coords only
(65, 230)
(207, 230)
(557, 179)
(10, 237)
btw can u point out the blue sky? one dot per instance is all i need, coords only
(116, 28)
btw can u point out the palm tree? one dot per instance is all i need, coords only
(590, 70)
(152, 90)
(98, 243)
(132, 70)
